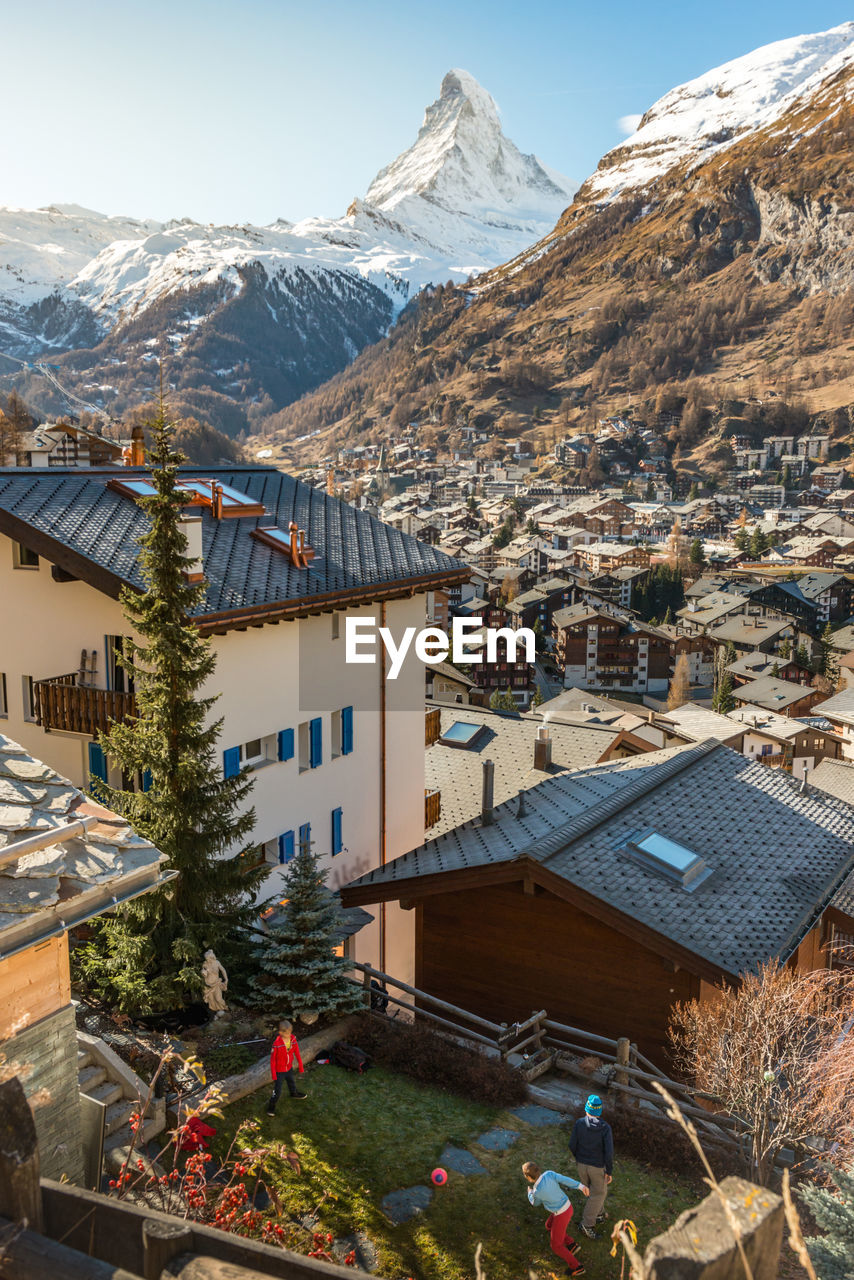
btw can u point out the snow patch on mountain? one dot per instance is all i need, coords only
(460, 200)
(698, 118)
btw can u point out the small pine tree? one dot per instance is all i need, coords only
(828, 660)
(147, 957)
(297, 970)
(696, 554)
(724, 700)
(833, 1210)
(538, 698)
(503, 701)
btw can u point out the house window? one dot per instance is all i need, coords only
(28, 694)
(336, 626)
(4, 705)
(305, 837)
(286, 847)
(250, 755)
(23, 557)
(118, 678)
(286, 744)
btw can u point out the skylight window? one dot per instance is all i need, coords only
(461, 734)
(674, 860)
(221, 499)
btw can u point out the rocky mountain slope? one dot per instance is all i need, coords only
(710, 256)
(256, 315)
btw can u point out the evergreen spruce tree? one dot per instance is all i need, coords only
(723, 700)
(829, 662)
(696, 554)
(833, 1210)
(503, 701)
(146, 958)
(295, 966)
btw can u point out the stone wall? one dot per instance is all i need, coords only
(44, 1056)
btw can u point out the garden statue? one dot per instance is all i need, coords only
(215, 979)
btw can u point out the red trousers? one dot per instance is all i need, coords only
(557, 1225)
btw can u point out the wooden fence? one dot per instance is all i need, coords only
(542, 1044)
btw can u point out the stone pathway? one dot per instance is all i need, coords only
(405, 1204)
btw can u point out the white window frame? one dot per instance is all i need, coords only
(4, 700)
(28, 698)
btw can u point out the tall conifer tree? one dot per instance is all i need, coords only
(147, 957)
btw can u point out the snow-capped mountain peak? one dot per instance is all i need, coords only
(707, 113)
(462, 162)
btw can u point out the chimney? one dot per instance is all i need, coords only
(542, 748)
(191, 527)
(488, 794)
(135, 455)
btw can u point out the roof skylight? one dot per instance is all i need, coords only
(223, 500)
(462, 733)
(675, 860)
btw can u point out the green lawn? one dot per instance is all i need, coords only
(359, 1138)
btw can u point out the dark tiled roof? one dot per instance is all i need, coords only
(776, 854)
(508, 741)
(76, 510)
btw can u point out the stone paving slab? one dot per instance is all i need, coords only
(401, 1206)
(532, 1114)
(497, 1139)
(460, 1160)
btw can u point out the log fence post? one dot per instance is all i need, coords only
(161, 1242)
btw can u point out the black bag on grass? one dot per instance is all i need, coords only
(349, 1057)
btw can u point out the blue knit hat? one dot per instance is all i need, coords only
(593, 1106)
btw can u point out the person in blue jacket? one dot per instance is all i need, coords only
(592, 1144)
(546, 1188)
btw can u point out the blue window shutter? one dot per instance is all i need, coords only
(231, 762)
(305, 835)
(337, 841)
(146, 779)
(346, 731)
(316, 743)
(97, 762)
(286, 744)
(286, 846)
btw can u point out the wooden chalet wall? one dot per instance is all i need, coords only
(502, 953)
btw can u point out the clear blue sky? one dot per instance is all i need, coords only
(249, 110)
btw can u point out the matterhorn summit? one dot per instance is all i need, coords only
(463, 185)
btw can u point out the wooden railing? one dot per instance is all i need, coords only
(542, 1043)
(779, 760)
(432, 726)
(432, 808)
(60, 702)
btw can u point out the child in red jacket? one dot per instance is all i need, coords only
(285, 1050)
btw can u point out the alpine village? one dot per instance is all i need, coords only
(427, 713)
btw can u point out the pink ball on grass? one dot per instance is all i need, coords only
(439, 1177)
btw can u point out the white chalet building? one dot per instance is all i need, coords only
(336, 750)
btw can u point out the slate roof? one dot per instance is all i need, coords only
(78, 514)
(772, 693)
(508, 741)
(777, 854)
(65, 883)
(700, 723)
(839, 708)
(835, 778)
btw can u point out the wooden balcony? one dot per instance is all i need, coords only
(432, 808)
(779, 760)
(60, 702)
(432, 726)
